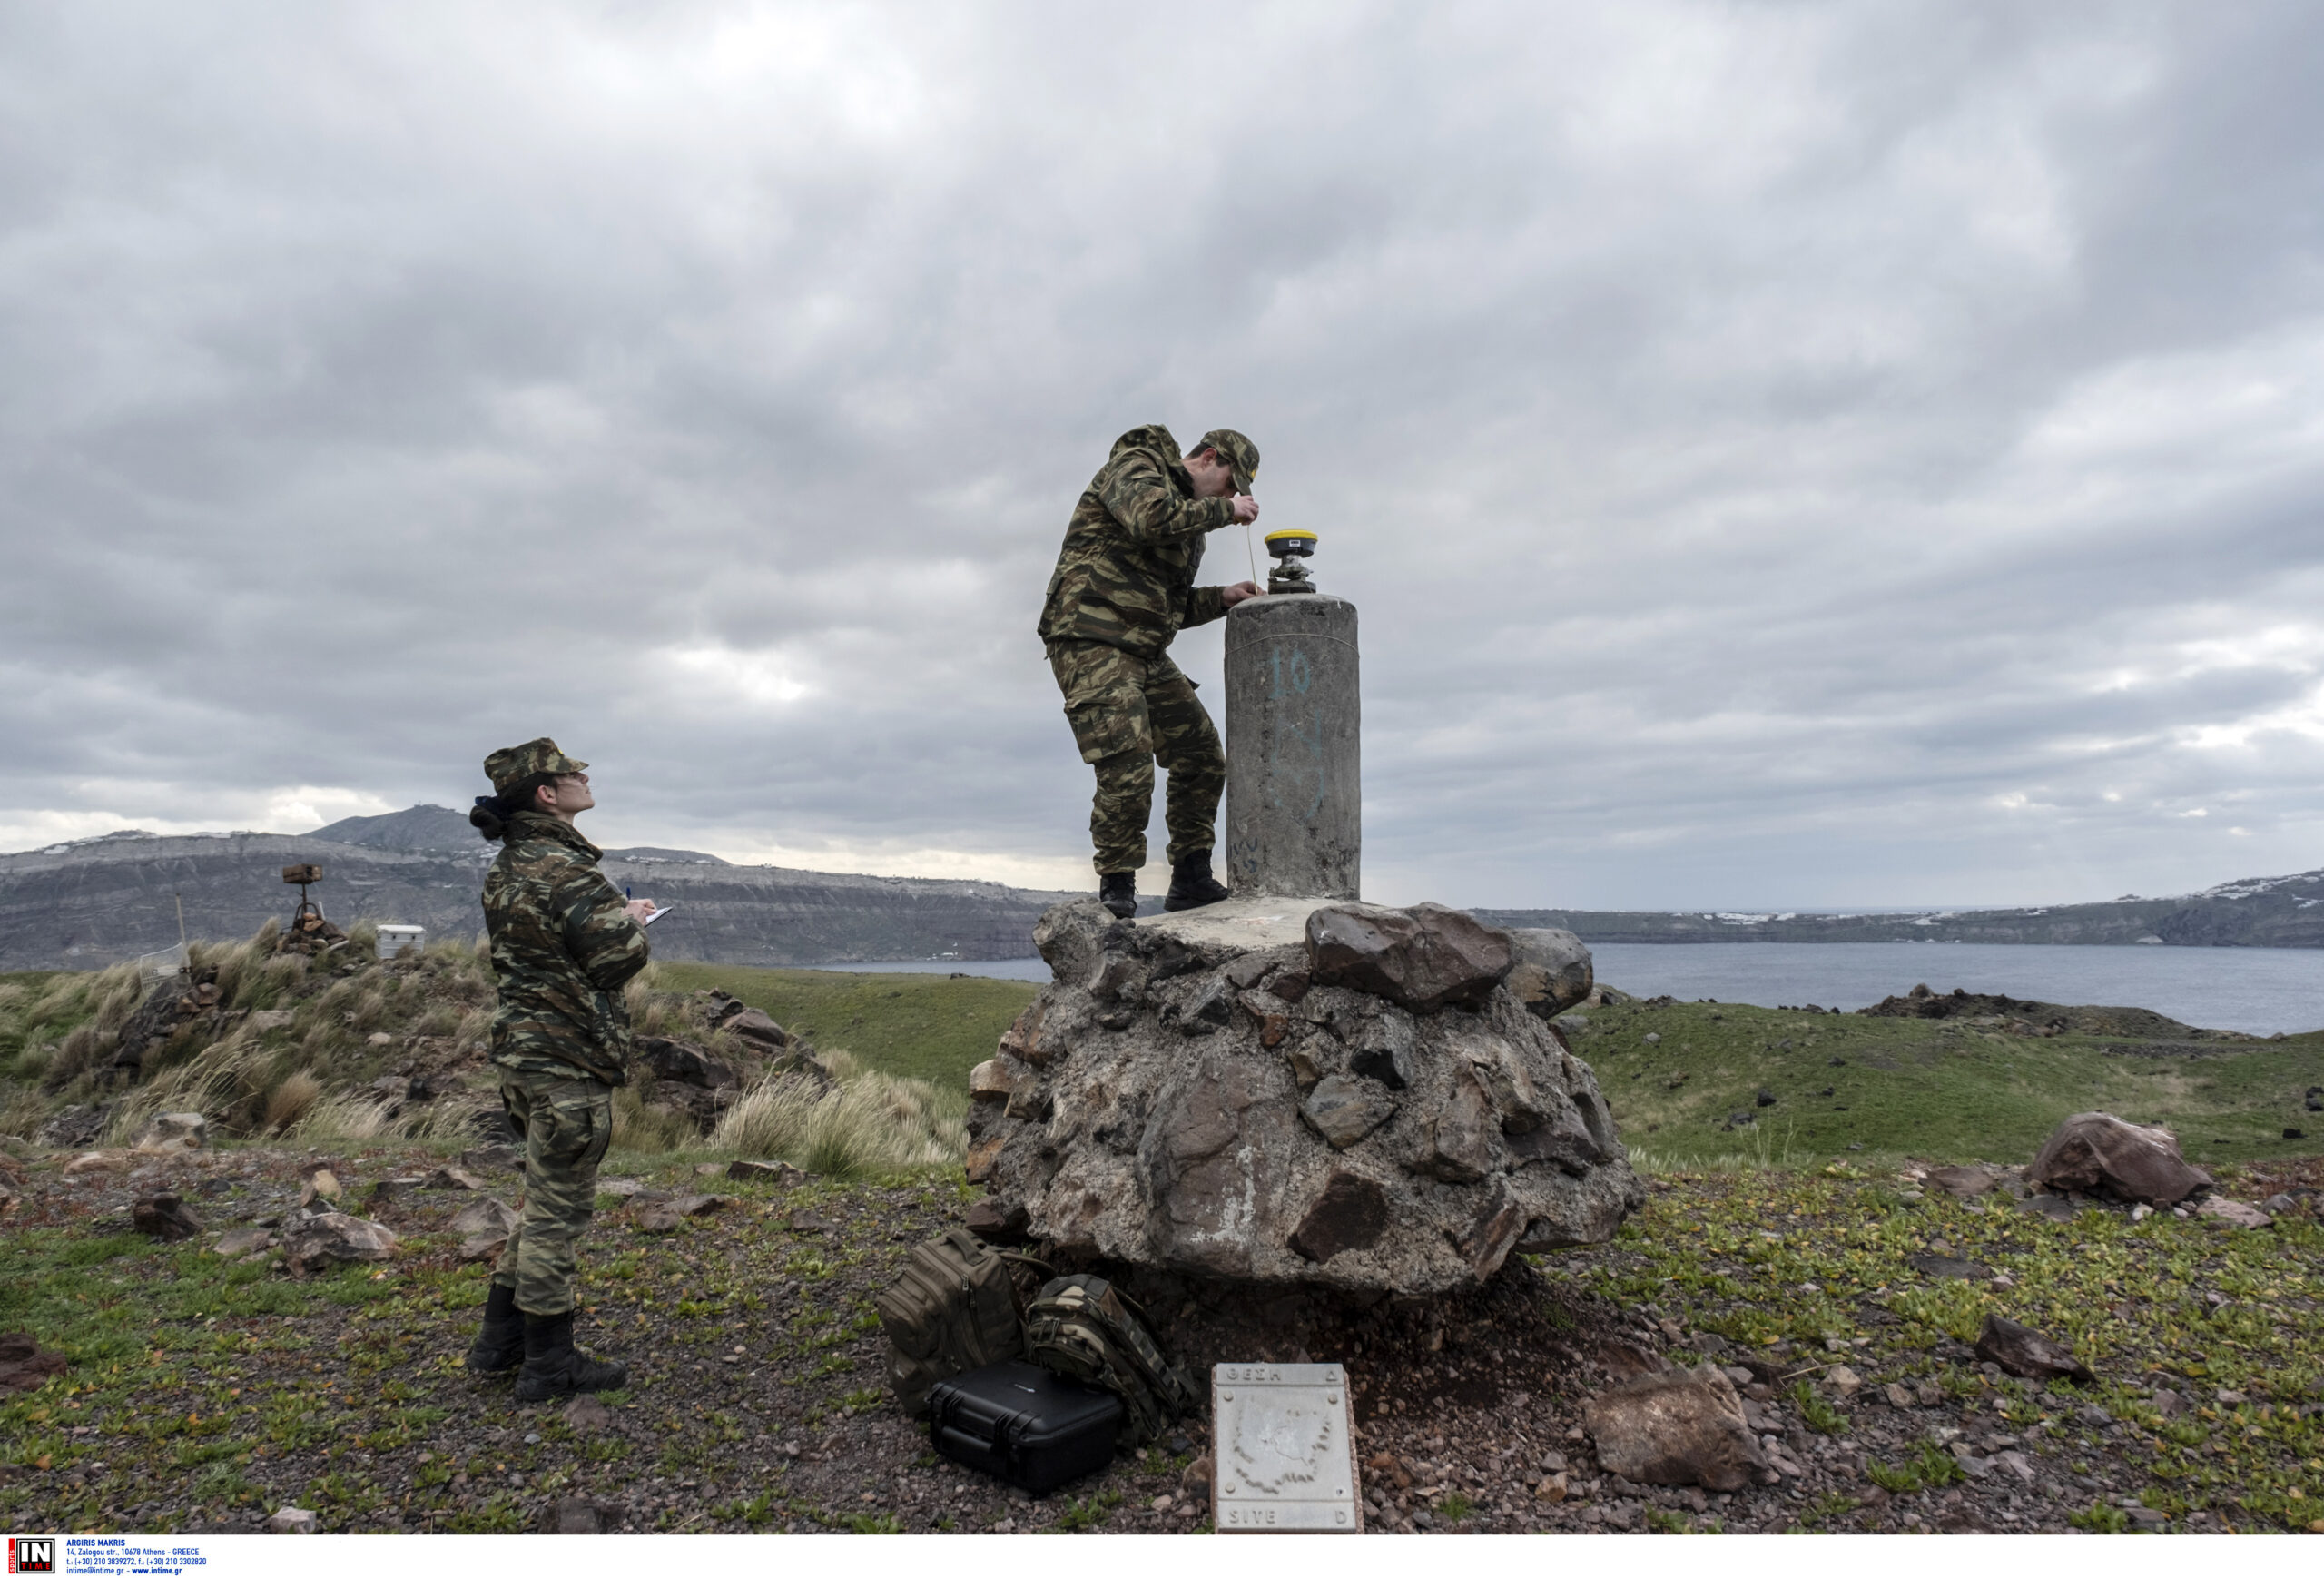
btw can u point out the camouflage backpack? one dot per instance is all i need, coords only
(1083, 1328)
(953, 1308)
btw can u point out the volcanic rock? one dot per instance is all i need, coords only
(1961, 1182)
(1552, 973)
(1950, 1265)
(165, 1216)
(1407, 1142)
(314, 1239)
(1422, 958)
(2091, 1149)
(1343, 1109)
(2234, 1213)
(754, 1025)
(175, 1131)
(25, 1365)
(484, 1217)
(780, 1173)
(684, 1063)
(1676, 1427)
(2025, 1352)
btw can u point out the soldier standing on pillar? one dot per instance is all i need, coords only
(1123, 588)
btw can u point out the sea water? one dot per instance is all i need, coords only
(2258, 991)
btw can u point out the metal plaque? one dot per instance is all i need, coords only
(1283, 1450)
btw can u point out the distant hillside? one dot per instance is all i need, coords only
(433, 830)
(2255, 913)
(88, 903)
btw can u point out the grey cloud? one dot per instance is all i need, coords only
(1727, 417)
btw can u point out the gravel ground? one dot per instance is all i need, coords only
(205, 1392)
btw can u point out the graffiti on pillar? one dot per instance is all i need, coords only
(1295, 748)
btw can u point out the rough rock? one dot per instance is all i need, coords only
(1951, 1267)
(175, 1131)
(168, 1009)
(587, 1412)
(754, 1025)
(264, 1019)
(484, 1216)
(774, 1172)
(25, 1366)
(76, 1126)
(2094, 1150)
(322, 1185)
(2027, 1352)
(243, 1241)
(684, 1063)
(1677, 1427)
(1376, 1147)
(1352, 1213)
(1343, 1109)
(999, 1222)
(574, 1514)
(2234, 1213)
(165, 1216)
(1964, 1182)
(1552, 973)
(1422, 958)
(314, 1239)
(493, 1158)
(452, 1178)
(293, 1521)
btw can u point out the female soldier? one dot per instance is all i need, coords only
(563, 945)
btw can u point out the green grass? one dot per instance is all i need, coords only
(1764, 1258)
(1935, 1090)
(916, 1026)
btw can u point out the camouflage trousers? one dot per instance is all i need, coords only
(1128, 714)
(566, 1125)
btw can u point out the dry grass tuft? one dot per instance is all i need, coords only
(289, 1101)
(868, 1126)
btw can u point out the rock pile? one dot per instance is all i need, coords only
(168, 1010)
(1381, 1107)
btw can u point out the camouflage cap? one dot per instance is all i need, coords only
(1241, 455)
(510, 767)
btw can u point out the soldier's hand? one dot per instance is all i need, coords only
(638, 908)
(1246, 509)
(1238, 592)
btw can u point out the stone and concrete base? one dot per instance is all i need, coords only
(1363, 1103)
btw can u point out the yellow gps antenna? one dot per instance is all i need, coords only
(1287, 549)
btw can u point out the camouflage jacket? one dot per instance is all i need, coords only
(562, 951)
(1125, 575)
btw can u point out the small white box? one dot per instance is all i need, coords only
(393, 940)
(1283, 1450)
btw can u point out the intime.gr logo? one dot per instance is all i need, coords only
(32, 1553)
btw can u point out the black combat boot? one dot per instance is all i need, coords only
(1191, 884)
(500, 1345)
(1117, 891)
(554, 1367)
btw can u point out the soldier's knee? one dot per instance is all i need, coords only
(1126, 773)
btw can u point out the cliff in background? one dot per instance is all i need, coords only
(82, 905)
(2255, 913)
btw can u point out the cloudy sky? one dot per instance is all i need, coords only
(1785, 455)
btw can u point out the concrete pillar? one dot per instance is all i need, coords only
(1294, 793)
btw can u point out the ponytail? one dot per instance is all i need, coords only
(492, 814)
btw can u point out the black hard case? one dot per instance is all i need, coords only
(1024, 1425)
